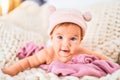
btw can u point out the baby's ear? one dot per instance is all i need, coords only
(87, 16)
(51, 8)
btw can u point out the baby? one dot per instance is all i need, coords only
(66, 29)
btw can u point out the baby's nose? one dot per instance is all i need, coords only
(66, 43)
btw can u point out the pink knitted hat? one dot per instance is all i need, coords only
(72, 16)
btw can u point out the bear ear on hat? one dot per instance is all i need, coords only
(87, 16)
(51, 8)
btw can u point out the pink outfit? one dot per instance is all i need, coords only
(79, 66)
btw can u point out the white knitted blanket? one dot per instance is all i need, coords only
(15, 31)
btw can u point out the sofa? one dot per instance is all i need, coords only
(29, 22)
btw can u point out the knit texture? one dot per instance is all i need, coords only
(103, 34)
(11, 39)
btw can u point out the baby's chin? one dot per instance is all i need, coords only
(64, 57)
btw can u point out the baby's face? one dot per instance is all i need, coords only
(65, 40)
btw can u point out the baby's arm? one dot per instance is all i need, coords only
(29, 62)
(90, 52)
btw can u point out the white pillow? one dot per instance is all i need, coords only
(30, 16)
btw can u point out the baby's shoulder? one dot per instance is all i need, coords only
(50, 50)
(45, 52)
(80, 49)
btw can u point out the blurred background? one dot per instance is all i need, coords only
(8, 5)
(72, 3)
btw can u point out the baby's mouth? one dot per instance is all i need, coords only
(66, 51)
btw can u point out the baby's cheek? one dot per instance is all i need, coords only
(73, 49)
(56, 46)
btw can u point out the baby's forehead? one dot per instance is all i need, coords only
(67, 25)
(67, 29)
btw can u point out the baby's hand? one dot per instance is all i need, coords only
(7, 71)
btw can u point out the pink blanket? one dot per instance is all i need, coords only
(79, 66)
(82, 65)
(28, 49)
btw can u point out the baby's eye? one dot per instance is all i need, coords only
(59, 37)
(73, 39)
